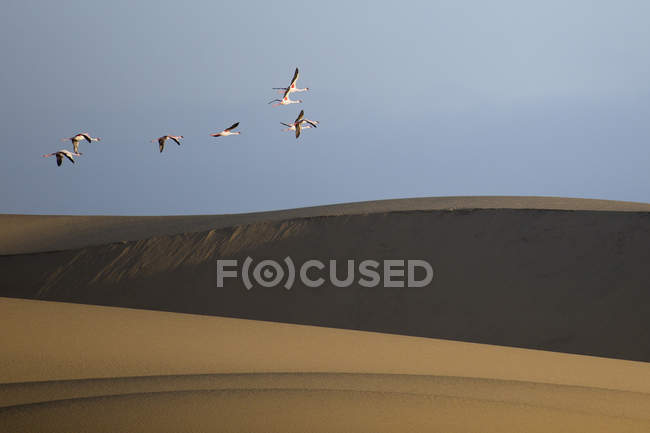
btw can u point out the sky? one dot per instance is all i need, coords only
(414, 99)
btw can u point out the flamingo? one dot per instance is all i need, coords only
(285, 100)
(161, 140)
(61, 153)
(297, 124)
(226, 132)
(292, 127)
(292, 86)
(75, 139)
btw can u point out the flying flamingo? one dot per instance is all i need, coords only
(161, 140)
(285, 100)
(292, 127)
(75, 139)
(228, 131)
(292, 86)
(297, 124)
(61, 153)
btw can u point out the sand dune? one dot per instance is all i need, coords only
(571, 281)
(510, 275)
(67, 367)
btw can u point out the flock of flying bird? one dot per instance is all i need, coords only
(297, 125)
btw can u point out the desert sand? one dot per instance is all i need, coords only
(537, 319)
(67, 367)
(564, 275)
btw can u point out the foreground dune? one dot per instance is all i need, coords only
(67, 367)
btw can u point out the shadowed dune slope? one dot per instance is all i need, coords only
(573, 281)
(67, 367)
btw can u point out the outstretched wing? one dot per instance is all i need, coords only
(161, 143)
(59, 159)
(67, 155)
(87, 137)
(294, 79)
(312, 123)
(175, 139)
(75, 146)
(298, 128)
(232, 127)
(300, 116)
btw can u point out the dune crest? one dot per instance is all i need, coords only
(21, 234)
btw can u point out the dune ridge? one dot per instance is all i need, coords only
(352, 408)
(21, 234)
(523, 392)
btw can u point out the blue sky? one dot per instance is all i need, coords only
(414, 98)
